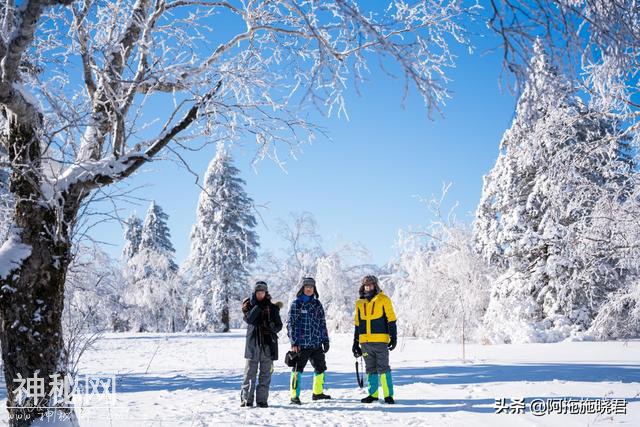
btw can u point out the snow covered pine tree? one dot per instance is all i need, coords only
(132, 237)
(223, 245)
(152, 274)
(556, 161)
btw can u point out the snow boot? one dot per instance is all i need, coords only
(296, 401)
(318, 387)
(387, 385)
(294, 386)
(320, 396)
(389, 400)
(373, 385)
(246, 404)
(265, 404)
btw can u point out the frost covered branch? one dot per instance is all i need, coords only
(597, 42)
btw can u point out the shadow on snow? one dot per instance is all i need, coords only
(436, 375)
(433, 375)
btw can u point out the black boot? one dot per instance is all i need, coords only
(368, 399)
(389, 400)
(243, 404)
(296, 401)
(320, 396)
(263, 405)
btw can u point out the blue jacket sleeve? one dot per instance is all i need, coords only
(323, 325)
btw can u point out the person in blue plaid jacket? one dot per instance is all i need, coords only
(307, 330)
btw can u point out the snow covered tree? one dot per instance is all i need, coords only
(80, 87)
(338, 293)
(615, 229)
(619, 316)
(338, 272)
(297, 258)
(132, 237)
(441, 283)
(593, 171)
(556, 161)
(153, 277)
(596, 41)
(223, 244)
(155, 235)
(502, 215)
(95, 290)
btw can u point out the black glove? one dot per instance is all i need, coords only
(325, 346)
(393, 333)
(392, 343)
(357, 351)
(253, 300)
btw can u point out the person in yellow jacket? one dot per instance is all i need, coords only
(375, 335)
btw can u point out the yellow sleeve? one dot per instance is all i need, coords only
(356, 321)
(388, 309)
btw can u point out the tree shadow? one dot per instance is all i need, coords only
(175, 336)
(532, 372)
(435, 375)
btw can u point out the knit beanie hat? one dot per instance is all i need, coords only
(261, 286)
(370, 280)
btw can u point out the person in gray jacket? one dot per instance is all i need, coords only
(261, 345)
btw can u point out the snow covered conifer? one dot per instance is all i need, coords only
(155, 235)
(506, 211)
(556, 161)
(132, 237)
(152, 273)
(223, 244)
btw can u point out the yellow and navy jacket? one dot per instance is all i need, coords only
(375, 320)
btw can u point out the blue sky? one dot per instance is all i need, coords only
(361, 184)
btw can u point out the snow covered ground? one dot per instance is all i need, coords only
(194, 380)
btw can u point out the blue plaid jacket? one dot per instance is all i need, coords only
(307, 326)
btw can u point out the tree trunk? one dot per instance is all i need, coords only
(32, 297)
(225, 314)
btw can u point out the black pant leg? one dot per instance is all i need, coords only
(318, 360)
(303, 357)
